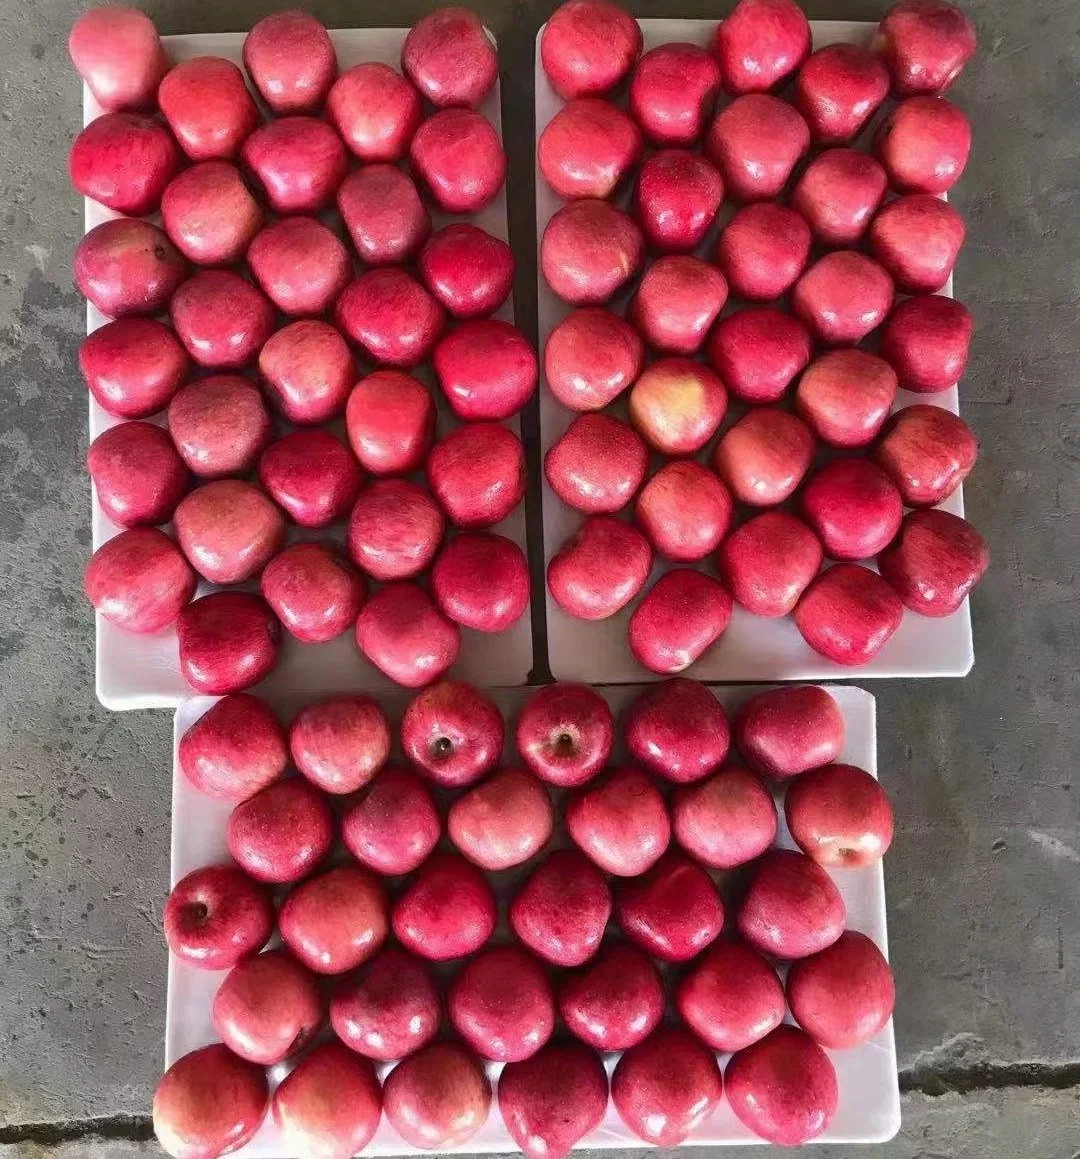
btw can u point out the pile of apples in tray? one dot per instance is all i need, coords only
(834, 257)
(372, 870)
(283, 315)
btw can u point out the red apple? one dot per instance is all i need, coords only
(290, 59)
(438, 1097)
(118, 53)
(477, 473)
(562, 909)
(684, 510)
(840, 816)
(673, 911)
(228, 530)
(843, 996)
(677, 730)
(395, 529)
(926, 339)
(927, 452)
(924, 145)
(139, 580)
(390, 418)
(450, 57)
(394, 825)
(842, 297)
(588, 46)
(340, 743)
(783, 1088)
(222, 320)
(848, 614)
(124, 161)
(282, 833)
(387, 1010)
(470, 272)
(591, 357)
(935, 562)
(600, 569)
(307, 370)
(673, 92)
(838, 193)
(215, 916)
(208, 107)
(228, 641)
(314, 593)
(381, 208)
(487, 369)
(390, 316)
(845, 397)
(767, 562)
(676, 303)
(726, 820)
(589, 251)
(447, 911)
(375, 110)
(133, 366)
(300, 264)
(677, 198)
(125, 267)
(597, 465)
(299, 161)
(503, 821)
(853, 508)
(731, 998)
(764, 456)
(756, 142)
(453, 733)
(787, 731)
(758, 351)
(210, 213)
(839, 89)
(402, 633)
(138, 476)
(616, 1001)
(677, 405)
(502, 1005)
(588, 148)
(620, 821)
(925, 43)
(312, 475)
(335, 921)
(235, 749)
(458, 156)
(219, 425)
(679, 619)
(493, 605)
(565, 733)
(760, 43)
(666, 1086)
(791, 908)
(762, 250)
(268, 1008)
(917, 239)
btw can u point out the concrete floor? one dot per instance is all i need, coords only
(984, 877)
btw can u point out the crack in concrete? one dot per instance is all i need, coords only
(132, 1128)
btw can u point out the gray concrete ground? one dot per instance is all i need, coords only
(984, 877)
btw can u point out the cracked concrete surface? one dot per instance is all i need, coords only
(985, 873)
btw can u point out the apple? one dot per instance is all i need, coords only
(731, 998)
(551, 1101)
(235, 749)
(314, 592)
(926, 339)
(387, 1010)
(210, 214)
(791, 908)
(838, 90)
(842, 297)
(726, 820)
(300, 265)
(335, 921)
(845, 396)
(502, 1004)
(924, 145)
(209, 1101)
(139, 580)
(438, 1097)
(221, 319)
(758, 351)
(312, 475)
(375, 110)
(486, 368)
(599, 569)
(124, 161)
(393, 826)
(620, 821)
(783, 1087)
(219, 425)
(390, 418)
(340, 743)
(677, 301)
(677, 198)
(477, 473)
(447, 911)
(450, 57)
(597, 464)
(470, 272)
(588, 148)
(677, 730)
(666, 1086)
(402, 633)
(767, 562)
(307, 371)
(853, 508)
(684, 510)
(268, 1008)
(282, 833)
(678, 620)
(503, 597)
(764, 456)
(228, 530)
(673, 912)
(452, 733)
(843, 996)
(125, 267)
(381, 208)
(228, 641)
(760, 43)
(785, 732)
(591, 357)
(565, 733)
(848, 614)
(762, 250)
(458, 156)
(562, 909)
(673, 91)
(756, 142)
(935, 562)
(925, 43)
(840, 816)
(329, 1105)
(118, 53)
(503, 821)
(588, 46)
(208, 107)
(615, 1001)
(215, 916)
(395, 529)
(928, 452)
(138, 476)
(838, 193)
(298, 161)
(677, 405)
(133, 366)
(290, 59)
(589, 251)
(390, 316)
(917, 239)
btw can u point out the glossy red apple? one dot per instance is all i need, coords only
(219, 425)
(673, 911)
(924, 145)
(228, 641)
(852, 507)
(438, 1097)
(450, 57)
(731, 998)
(762, 250)
(926, 44)
(756, 142)
(125, 267)
(487, 369)
(299, 162)
(312, 475)
(215, 916)
(589, 251)
(597, 464)
(118, 53)
(282, 833)
(838, 193)
(767, 562)
(335, 921)
(759, 43)
(470, 272)
(564, 733)
(620, 821)
(340, 743)
(133, 366)
(221, 319)
(588, 148)
(375, 110)
(381, 208)
(314, 592)
(845, 396)
(684, 510)
(615, 1001)
(477, 473)
(673, 92)
(935, 562)
(839, 89)
(927, 339)
(791, 908)
(390, 419)
(726, 820)
(124, 161)
(928, 452)
(917, 239)
(208, 107)
(459, 158)
(678, 620)
(848, 614)
(235, 749)
(676, 303)
(562, 909)
(677, 405)
(764, 456)
(228, 530)
(307, 370)
(758, 351)
(290, 59)
(210, 213)
(503, 821)
(395, 529)
(677, 198)
(591, 357)
(600, 569)
(840, 816)
(677, 729)
(787, 731)
(842, 297)
(403, 634)
(394, 825)
(138, 476)
(390, 316)
(493, 605)
(139, 580)
(453, 733)
(588, 46)
(300, 264)
(447, 911)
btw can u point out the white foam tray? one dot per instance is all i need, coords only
(143, 671)
(869, 1107)
(752, 648)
